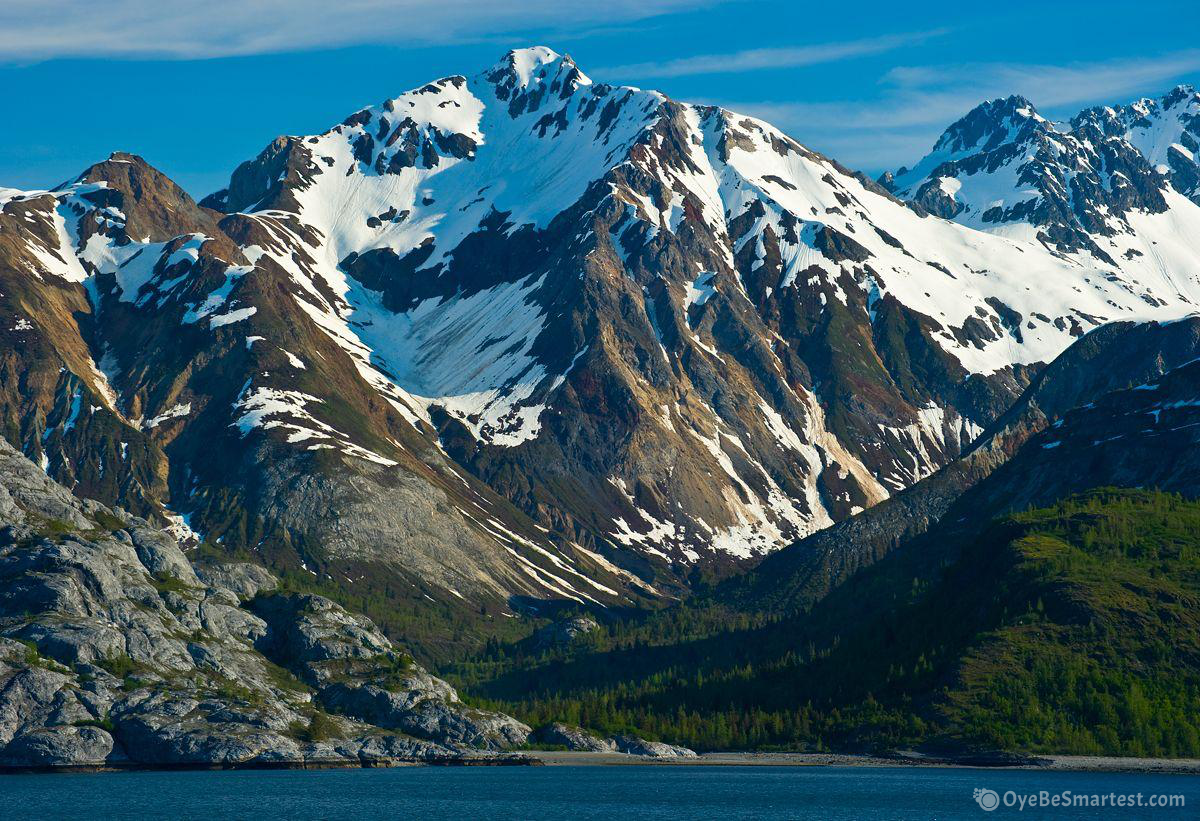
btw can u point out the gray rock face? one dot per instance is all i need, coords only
(574, 738)
(578, 739)
(357, 672)
(564, 632)
(321, 639)
(652, 749)
(65, 746)
(420, 711)
(114, 651)
(243, 579)
(160, 555)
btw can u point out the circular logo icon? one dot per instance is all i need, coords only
(987, 800)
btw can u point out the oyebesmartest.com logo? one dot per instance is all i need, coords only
(989, 800)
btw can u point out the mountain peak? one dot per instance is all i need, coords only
(1181, 92)
(100, 171)
(151, 205)
(1014, 106)
(990, 123)
(526, 68)
(531, 61)
(988, 126)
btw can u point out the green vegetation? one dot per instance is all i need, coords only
(105, 724)
(320, 727)
(56, 529)
(435, 631)
(164, 583)
(1106, 655)
(409, 612)
(231, 690)
(52, 529)
(385, 670)
(123, 667)
(33, 658)
(108, 521)
(283, 679)
(1071, 629)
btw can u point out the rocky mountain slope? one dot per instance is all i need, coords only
(521, 336)
(116, 651)
(1107, 363)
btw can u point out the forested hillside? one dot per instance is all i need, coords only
(1072, 628)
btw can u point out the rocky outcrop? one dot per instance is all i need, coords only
(430, 709)
(561, 633)
(357, 672)
(630, 745)
(115, 652)
(577, 739)
(243, 579)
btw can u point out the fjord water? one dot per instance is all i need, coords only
(575, 792)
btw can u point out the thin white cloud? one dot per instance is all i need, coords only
(766, 58)
(43, 29)
(1046, 85)
(918, 103)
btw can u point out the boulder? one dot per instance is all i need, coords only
(66, 746)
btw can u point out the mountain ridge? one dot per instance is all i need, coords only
(600, 339)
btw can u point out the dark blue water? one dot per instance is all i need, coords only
(576, 793)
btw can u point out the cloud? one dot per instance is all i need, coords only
(916, 104)
(43, 29)
(1046, 85)
(766, 58)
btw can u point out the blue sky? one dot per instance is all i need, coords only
(198, 87)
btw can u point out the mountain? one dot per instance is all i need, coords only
(515, 361)
(1043, 611)
(131, 318)
(1166, 132)
(1109, 362)
(1110, 183)
(520, 338)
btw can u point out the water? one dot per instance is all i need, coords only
(575, 793)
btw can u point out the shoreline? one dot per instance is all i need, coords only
(566, 758)
(500, 760)
(1046, 763)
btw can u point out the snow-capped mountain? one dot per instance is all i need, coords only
(523, 334)
(1109, 182)
(1166, 132)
